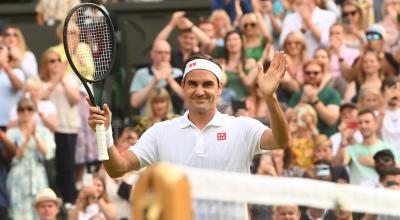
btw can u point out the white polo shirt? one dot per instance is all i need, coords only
(226, 143)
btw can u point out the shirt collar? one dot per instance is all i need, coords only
(215, 121)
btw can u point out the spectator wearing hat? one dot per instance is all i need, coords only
(376, 36)
(47, 204)
(383, 159)
(348, 128)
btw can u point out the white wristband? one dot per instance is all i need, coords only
(109, 138)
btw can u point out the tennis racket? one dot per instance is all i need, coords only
(89, 45)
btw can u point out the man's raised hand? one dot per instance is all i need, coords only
(268, 82)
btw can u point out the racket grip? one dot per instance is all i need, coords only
(101, 142)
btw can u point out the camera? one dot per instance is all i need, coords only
(322, 170)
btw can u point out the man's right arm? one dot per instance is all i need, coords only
(119, 164)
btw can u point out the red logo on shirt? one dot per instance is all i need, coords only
(221, 136)
(192, 64)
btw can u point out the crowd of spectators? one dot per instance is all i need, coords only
(341, 96)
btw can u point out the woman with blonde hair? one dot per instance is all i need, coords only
(370, 99)
(158, 108)
(303, 125)
(256, 35)
(370, 75)
(93, 202)
(354, 22)
(20, 55)
(222, 25)
(64, 91)
(27, 175)
(296, 50)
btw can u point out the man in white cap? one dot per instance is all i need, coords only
(203, 137)
(375, 35)
(47, 204)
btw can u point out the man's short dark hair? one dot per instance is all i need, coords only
(389, 82)
(388, 171)
(384, 153)
(365, 112)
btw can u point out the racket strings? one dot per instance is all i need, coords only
(90, 43)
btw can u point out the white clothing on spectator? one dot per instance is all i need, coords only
(68, 119)
(323, 19)
(44, 106)
(55, 10)
(390, 128)
(337, 139)
(9, 96)
(29, 65)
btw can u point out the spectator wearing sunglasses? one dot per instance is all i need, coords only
(325, 101)
(376, 35)
(256, 35)
(64, 91)
(27, 174)
(354, 23)
(46, 111)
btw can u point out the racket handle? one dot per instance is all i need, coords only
(101, 142)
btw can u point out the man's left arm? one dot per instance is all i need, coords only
(278, 136)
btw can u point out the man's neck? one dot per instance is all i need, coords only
(201, 120)
(369, 141)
